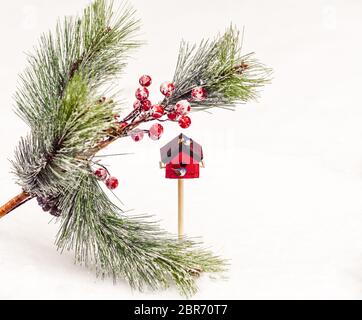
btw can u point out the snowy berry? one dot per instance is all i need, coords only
(145, 81)
(112, 183)
(172, 116)
(184, 122)
(157, 111)
(199, 94)
(142, 94)
(167, 88)
(101, 174)
(156, 132)
(183, 107)
(146, 105)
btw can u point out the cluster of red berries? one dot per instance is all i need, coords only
(179, 113)
(103, 175)
(142, 95)
(157, 111)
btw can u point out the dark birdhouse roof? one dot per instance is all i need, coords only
(182, 150)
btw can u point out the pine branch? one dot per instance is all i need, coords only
(97, 43)
(219, 67)
(58, 96)
(69, 124)
(128, 248)
(61, 98)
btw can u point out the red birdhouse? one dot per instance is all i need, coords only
(182, 157)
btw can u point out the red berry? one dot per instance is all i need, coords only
(199, 94)
(145, 81)
(112, 183)
(184, 122)
(101, 174)
(183, 107)
(167, 88)
(142, 94)
(172, 115)
(146, 105)
(156, 131)
(157, 111)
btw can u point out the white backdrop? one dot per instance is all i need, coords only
(281, 194)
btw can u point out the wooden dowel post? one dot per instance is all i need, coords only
(180, 208)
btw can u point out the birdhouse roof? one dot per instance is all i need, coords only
(182, 150)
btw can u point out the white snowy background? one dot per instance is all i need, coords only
(281, 196)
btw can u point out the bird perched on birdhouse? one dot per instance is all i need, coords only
(182, 158)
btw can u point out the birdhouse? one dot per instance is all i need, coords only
(182, 158)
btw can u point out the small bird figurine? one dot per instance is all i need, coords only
(180, 172)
